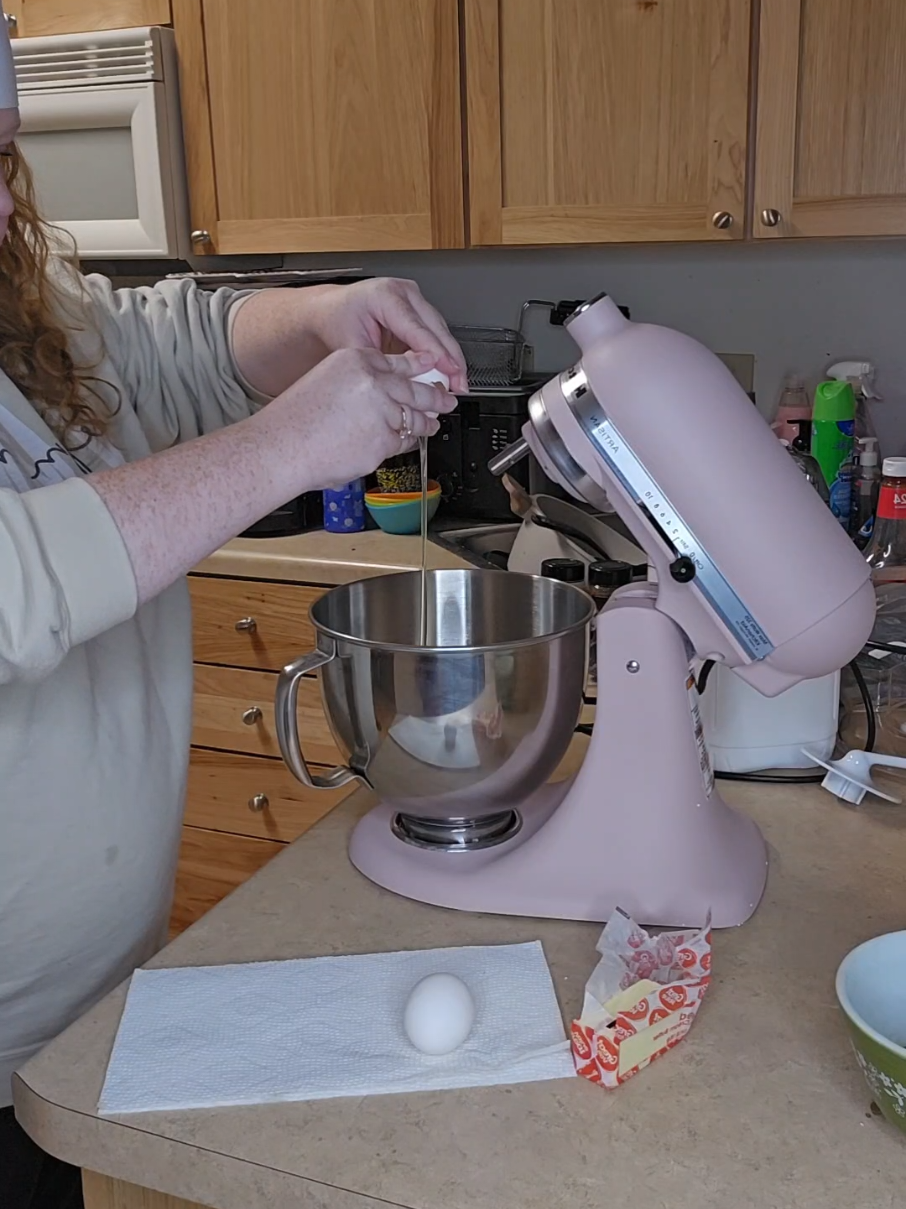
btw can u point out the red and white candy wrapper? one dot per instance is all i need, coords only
(640, 1000)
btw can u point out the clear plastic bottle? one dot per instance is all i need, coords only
(799, 452)
(886, 553)
(866, 488)
(794, 404)
(883, 670)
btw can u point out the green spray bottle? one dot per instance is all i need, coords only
(832, 443)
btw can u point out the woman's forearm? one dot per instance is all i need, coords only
(337, 423)
(278, 335)
(274, 341)
(175, 508)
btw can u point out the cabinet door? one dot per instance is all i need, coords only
(211, 866)
(830, 136)
(606, 120)
(36, 18)
(322, 125)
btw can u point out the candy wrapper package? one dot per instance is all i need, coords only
(640, 1000)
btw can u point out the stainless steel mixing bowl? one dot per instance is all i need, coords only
(464, 727)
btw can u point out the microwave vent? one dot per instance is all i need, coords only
(89, 60)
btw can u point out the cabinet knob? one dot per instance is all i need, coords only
(251, 715)
(246, 625)
(771, 218)
(12, 23)
(723, 220)
(258, 802)
(200, 237)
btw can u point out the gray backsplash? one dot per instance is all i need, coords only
(795, 305)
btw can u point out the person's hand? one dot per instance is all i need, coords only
(354, 410)
(390, 315)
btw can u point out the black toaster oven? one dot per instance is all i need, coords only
(484, 423)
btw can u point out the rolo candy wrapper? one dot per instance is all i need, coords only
(640, 1000)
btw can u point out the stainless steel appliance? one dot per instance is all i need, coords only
(462, 728)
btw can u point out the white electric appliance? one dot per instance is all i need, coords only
(748, 732)
(101, 132)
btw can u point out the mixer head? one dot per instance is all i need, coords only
(749, 562)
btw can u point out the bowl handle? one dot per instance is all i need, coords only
(286, 699)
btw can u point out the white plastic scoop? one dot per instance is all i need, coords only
(850, 778)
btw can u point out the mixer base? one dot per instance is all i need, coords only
(641, 826)
(523, 876)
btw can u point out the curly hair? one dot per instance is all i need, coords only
(34, 349)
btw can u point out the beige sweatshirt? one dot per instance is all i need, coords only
(95, 697)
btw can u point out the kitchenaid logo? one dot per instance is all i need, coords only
(676, 535)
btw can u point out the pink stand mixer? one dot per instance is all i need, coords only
(749, 569)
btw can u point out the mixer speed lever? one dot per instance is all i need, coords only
(683, 569)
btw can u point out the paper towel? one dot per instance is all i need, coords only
(327, 1026)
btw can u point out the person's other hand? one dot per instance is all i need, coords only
(350, 413)
(390, 315)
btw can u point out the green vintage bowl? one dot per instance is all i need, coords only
(405, 517)
(871, 989)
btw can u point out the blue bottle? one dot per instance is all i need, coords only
(344, 508)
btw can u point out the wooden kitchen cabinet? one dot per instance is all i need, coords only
(250, 623)
(606, 120)
(322, 125)
(211, 866)
(234, 711)
(830, 139)
(243, 805)
(36, 18)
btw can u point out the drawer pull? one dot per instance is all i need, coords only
(246, 625)
(258, 802)
(251, 715)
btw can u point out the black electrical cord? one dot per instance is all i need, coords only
(871, 720)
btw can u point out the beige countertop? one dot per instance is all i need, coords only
(324, 558)
(761, 1107)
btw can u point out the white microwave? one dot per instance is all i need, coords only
(101, 132)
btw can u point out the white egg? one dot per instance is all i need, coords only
(439, 1014)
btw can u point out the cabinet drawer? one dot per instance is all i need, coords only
(246, 624)
(226, 791)
(211, 866)
(224, 696)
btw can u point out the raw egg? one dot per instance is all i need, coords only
(439, 1014)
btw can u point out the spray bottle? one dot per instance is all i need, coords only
(860, 376)
(832, 443)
